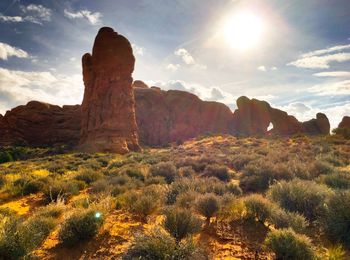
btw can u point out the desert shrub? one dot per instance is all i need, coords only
(197, 164)
(62, 190)
(232, 208)
(179, 186)
(336, 253)
(344, 132)
(155, 180)
(234, 189)
(286, 244)
(164, 169)
(5, 156)
(33, 186)
(88, 175)
(2, 181)
(181, 223)
(160, 245)
(186, 199)
(320, 167)
(208, 205)
(187, 172)
(337, 224)
(142, 204)
(52, 210)
(217, 171)
(80, 226)
(241, 160)
(336, 180)
(34, 231)
(134, 173)
(214, 185)
(259, 174)
(284, 219)
(258, 207)
(100, 186)
(305, 197)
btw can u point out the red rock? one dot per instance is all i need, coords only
(345, 122)
(139, 84)
(40, 124)
(318, 126)
(108, 110)
(169, 116)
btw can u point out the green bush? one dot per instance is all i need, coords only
(164, 169)
(62, 190)
(344, 132)
(208, 205)
(305, 197)
(336, 180)
(160, 245)
(181, 223)
(259, 174)
(217, 171)
(336, 253)
(284, 219)
(337, 219)
(234, 189)
(88, 175)
(288, 245)
(80, 226)
(258, 207)
(5, 156)
(186, 199)
(33, 186)
(101, 186)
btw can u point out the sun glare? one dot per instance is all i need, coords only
(244, 30)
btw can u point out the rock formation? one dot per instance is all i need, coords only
(253, 117)
(139, 84)
(170, 116)
(345, 122)
(40, 124)
(108, 110)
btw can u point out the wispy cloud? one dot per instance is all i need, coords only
(7, 51)
(19, 87)
(332, 89)
(31, 13)
(93, 17)
(261, 68)
(326, 51)
(332, 74)
(138, 50)
(320, 62)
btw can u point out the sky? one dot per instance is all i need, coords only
(295, 54)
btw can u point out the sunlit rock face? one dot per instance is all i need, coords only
(345, 122)
(40, 124)
(108, 110)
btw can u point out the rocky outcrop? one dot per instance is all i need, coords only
(253, 117)
(345, 122)
(40, 124)
(318, 126)
(108, 110)
(169, 116)
(139, 84)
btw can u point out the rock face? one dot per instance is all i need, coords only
(39, 124)
(170, 116)
(139, 84)
(108, 110)
(345, 122)
(253, 117)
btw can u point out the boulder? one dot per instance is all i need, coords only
(345, 122)
(108, 110)
(318, 126)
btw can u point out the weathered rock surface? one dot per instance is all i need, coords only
(345, 122)
(169, 116)
(253, 117)
(139, 84)
(108, 110)
(40, 124)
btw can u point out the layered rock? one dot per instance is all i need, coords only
(40, 124)
(169, 116)
(108, 110)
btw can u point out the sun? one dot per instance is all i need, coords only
(244, 30)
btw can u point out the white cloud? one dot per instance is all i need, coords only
(320, 62)
(93, 17)
(173, 67)
(31, 13)
(332, 89)
(273, 68)
(261, 68)
(332, 74)
(19, 87)
(36, 13)
(8, 51)
(10, 19)
(185, 55)
(325, 51)
(137, 49)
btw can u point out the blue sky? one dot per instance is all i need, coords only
(301, 63)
